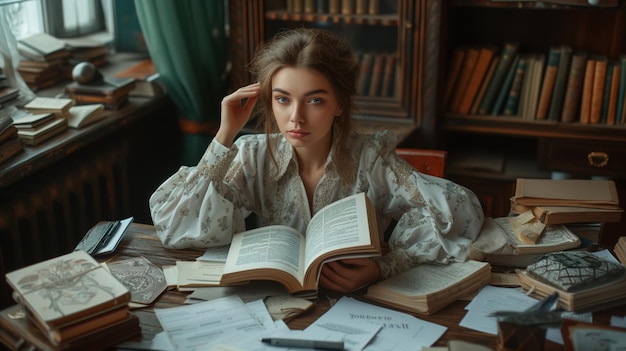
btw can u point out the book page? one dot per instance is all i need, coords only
(428, 278)
(278, 247)
(553, 236)
(342, 224)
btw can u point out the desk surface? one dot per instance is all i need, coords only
(141, 240)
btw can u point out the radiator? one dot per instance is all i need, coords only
(47, 213)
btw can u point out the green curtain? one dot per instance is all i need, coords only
(187, 42)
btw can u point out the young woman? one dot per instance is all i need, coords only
(308, 157)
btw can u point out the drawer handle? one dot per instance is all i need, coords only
(598, 159)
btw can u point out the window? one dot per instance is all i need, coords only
(60, 18)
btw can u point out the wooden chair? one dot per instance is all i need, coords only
(431, 162)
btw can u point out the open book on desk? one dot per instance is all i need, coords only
(346, 228)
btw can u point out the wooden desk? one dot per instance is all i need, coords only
(141, 240)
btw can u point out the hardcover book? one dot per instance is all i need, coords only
(58, 106)
(344, 229)
(38, 135)
(19, 332)
(427, 288)
(550, 215)
(566, 192)
(600, 294)
(112, 87)
(66, 288)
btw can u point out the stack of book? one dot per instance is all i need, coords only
(42, 119)
(112, 92)
(84, 50)
(43, 57)
(10, 143)
(568, 201)
(68, 302)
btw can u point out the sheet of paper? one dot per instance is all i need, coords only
(399, 331)
(215, 254)
(198, 326)
(356, 335)
(199, 272)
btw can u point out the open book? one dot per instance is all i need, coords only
(427, 288)
(346, 228)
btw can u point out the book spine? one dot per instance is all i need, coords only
(549, 79)
(622, 91)
(362, 7)
(456, 62)
(556, 105)
(585, 103)
(511, 105)
(485, 57)
(471, 57)
(608, 79)
(507, 56)
(298, 6)
(374, 7)
(539, 61)
(334, 7)
(390, 67)
(506, 88)
(573, 91)
(597, 91)
(483, 85)
(367, 60)
(348, 7)
(614, 90)
(309, 6)
(377, 74)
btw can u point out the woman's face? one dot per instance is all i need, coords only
(305, 106)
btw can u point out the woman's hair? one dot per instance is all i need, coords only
(309, 48)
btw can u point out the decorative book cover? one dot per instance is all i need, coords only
(145, 280)
(68, 287)
(574, 270)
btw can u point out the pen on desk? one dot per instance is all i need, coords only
(315, 344)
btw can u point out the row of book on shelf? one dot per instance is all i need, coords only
(380, 74)
(344, 7)
(563, 85)
(91, 303)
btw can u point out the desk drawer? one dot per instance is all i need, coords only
(583, 158)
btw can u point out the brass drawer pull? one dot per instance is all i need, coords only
(598, 159)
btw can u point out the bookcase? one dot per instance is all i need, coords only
(385, 36)
(504, 146)
(486, 152)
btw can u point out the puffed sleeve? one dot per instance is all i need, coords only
(437, 218)
(190, 209)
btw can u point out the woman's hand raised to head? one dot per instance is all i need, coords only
(236, 110)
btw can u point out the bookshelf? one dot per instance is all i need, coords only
(385, 36)
(528, 146)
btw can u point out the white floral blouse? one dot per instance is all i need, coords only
(203, 206)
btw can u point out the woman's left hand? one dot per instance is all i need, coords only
(349, 275)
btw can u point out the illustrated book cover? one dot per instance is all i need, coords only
(343, 229)
(427, 288)
(67, 288)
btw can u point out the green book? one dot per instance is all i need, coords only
(507, 56)
(506, 88)
(558, 93)
(607, 93)
(512, 100)
(622, 90)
